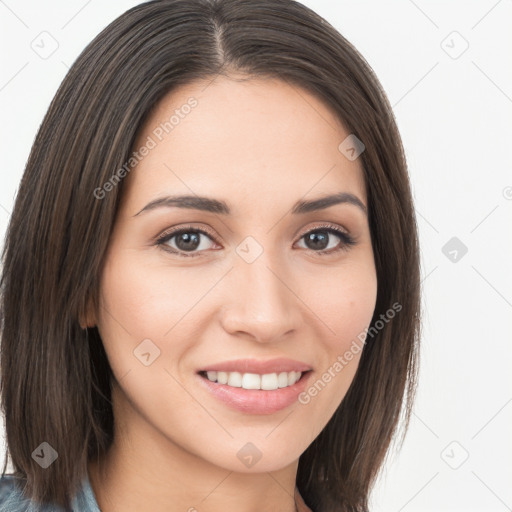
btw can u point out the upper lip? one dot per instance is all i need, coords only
(258, 366)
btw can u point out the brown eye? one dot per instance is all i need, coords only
(185, 240)
(191, 241)
(322, 240)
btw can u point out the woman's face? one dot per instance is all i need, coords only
(255, 285)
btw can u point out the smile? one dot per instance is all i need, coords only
(256, 399)
(267, 381)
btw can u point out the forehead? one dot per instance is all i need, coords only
(262, 139)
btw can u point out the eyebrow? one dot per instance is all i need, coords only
(207, 204)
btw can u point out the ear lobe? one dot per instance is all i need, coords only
(88, 318)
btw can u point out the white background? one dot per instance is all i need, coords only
(455, 117)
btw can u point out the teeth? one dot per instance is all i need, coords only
(268, 381)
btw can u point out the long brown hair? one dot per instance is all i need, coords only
(55, 382)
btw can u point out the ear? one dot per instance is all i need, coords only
(87, 317)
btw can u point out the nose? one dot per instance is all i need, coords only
(262, 304)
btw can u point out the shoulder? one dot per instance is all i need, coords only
(12, 498)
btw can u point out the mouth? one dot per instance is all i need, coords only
(255, 381)
(252, 393)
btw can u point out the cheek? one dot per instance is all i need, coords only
(145, 300)
(144, 311)
(345, 305)
(354, 310)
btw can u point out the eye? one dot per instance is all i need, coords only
(319, 240)
(188, 240)
(191, 241)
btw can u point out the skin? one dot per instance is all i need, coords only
(260, 146)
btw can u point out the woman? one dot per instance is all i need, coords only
(210, 293)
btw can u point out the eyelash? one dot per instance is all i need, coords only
(346, 243)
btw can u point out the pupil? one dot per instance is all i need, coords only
(317, 240)
(191, 241)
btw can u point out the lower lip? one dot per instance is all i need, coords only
(257, 401)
